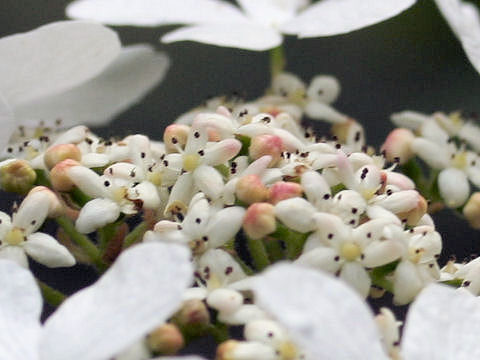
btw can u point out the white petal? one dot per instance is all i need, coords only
(135, 72)
(406, 283)
(147, 192)
(324, 88)
(224, 225)
(322, 258)
(33, 211)
(88, 181)
(20, 309)
(320, 111)
(92, 160)
(121, 304)
(221, 151)
(465, 23)
(409, 119)
(271, 12)
(14, 253)
(433, 154)
(208, 181)
(53, 58)
(242, 316)
(249, 36)
(226, 301)
(296, 213)
(8, 123)
(450, 318)
(47, 251)
(315, 319)
(96, 214)
(332, 17)
(154, 12)
(453, 186)
(357, 277)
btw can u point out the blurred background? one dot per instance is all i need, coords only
(412, 61)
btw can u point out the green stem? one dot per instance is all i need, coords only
(135, 235)
(219, 331)
(293, 240)
(51, 296)
(42, 179)
(106, 234)
(277, 60)
(79, 197)
(83, 241)
(259, 254)
(381, 282)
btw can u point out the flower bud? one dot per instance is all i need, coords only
(250, 189)
(472, 210)
(266, 144)
(413, 216)
(193, 313)
(58, 153)
(283, 190)
(165, 340)
(259, 220)
(397, 145)
(58, 175)
(175, 135)
(17, 176)
(55, 208)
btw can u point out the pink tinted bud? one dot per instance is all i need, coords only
(58, 153)
(192, 313)
(175, 135)
(283, 190)
(413, 216)
(166, 339)
(266, 145)
(472, 210)
(56, 207)
(250, 189)
(397, 145)
(58, 175)
(259, 220)
(403, 182)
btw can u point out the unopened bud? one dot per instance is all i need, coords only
(266, 144)
(472, 210)
(165, 340)
(283, 190)
(58, 153)
(17, 176)
(250, 189)
(397, 145)
(175, 136)
(58, 175)
(259, 220)
(55, 208)
(413, 216)
(193, 313)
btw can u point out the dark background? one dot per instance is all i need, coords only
(412, 61)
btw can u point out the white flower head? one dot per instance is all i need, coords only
(255, 25)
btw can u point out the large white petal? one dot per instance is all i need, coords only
(465, 22)
(135, 72)
(307, 302)
(332, 17)
(8, 123)
(53, 58)
(155, 12)
(47, 251)
(96, 214)
(140, 291)
(450, 318)
(249, 36)
(272, 12)
(20, 308)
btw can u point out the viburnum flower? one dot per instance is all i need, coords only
(464, 20)
(256, 25)
(139, 292)
(330, 321)
(19, 236)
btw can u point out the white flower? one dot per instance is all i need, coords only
(464, 20)
(258, 25)
(19, 236)
(134, 296)
(49, 60)
(330, 321)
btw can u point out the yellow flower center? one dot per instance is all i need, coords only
(119, 194)
(155, 178)
(287, 350)
(459, 160)
(15, 236)
(415, 255)
(350, 251)
(191, 161)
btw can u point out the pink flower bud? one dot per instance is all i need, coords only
(397, 145)
(413, 216)
(175, 135)
(58, 153)
(166, 340)
(283, 190)
(472, 210)
(250, 189)
(193, 312)
(259, 220)
(58, 175)
(266, 145)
